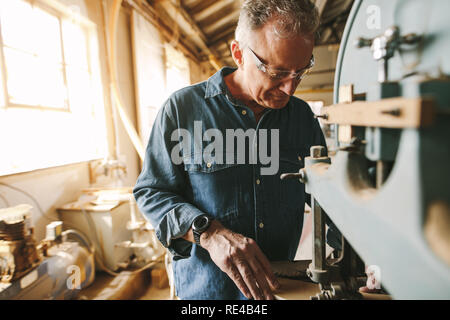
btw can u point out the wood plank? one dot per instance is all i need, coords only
(195, 32)
(295, 289)
(215, 16)
(225, 35)
(386, 113)
(346, 95)
(321, 4)
(303, 290)
(202, 5)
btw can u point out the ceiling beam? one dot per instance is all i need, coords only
(167, 32)
(222, 24)
(215, 16)
(321, 4)
(221, 36)
(196, 33)
(202, 5)
(218, 6)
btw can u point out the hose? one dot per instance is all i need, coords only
(81, 237)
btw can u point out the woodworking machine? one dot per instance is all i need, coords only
(387, 185)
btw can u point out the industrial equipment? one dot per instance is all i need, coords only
(55, 268)
(387, 188)
(121, 236)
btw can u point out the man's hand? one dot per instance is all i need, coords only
(242, 260)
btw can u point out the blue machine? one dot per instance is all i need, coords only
(387, 186)
(57, 268)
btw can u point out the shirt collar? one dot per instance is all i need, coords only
(216, 83)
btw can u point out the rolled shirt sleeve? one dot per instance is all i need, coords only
(160, 187)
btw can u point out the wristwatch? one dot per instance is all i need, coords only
(200, 225)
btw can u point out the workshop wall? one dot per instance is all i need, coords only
(54, 187)
(318, 86)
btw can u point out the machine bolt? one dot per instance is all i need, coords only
(394, 112)
(363, 42)
(317, 151)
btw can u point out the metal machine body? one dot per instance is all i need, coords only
(55, 268)
(387, 188)
(18, 247)
(110, 219)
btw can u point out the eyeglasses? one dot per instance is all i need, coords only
(275, 74)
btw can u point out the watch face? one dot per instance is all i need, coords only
(200, 223)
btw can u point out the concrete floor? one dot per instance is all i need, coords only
(125, 286)
(129, 286)
(154, 293)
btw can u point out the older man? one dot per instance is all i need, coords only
(223, 221)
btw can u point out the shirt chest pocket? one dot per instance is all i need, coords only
(292, 190)
(215, 188)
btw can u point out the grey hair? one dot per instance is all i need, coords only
(293, 17)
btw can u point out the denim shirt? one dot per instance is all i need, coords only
(262, 207)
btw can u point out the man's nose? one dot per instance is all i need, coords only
(289, 85)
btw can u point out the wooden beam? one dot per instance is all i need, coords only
(221, 36)
(386, 113)
(202, 5)
(217, 15)
(313, 90)
(321, 4)
(222, 24)
(151, 15)
(197, 32)
(218, 6)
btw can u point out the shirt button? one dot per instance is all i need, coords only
(244, 112)
(261, 225)
(258, 181)
(208, 165)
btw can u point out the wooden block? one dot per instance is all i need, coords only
(386, 113)
(346, 94)
(296, 289)
(303, 290)
(345, 133)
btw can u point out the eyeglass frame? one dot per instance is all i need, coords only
(294, 75)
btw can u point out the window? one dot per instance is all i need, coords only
(316, 106)
(45, 56)
(162, 70)
(48, 63)
(177, 70)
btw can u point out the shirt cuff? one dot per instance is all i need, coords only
(174, 226)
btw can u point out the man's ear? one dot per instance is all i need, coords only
(237, 53)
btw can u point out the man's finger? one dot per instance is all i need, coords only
(261, 277)
(267, 269)
(234, 274)
(249, 279)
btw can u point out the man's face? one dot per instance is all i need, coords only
(290, 54)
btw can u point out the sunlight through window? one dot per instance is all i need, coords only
(51, 63)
